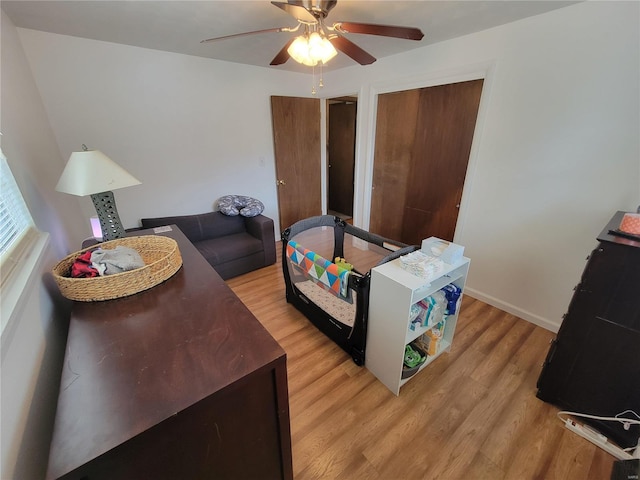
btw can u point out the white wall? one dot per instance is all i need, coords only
(30, 146)
(33, 341)
(555, 155)
(190, 129)
(556, 152)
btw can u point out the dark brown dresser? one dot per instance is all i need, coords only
(178, 382)
(593, 365)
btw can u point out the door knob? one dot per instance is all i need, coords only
(280, 182)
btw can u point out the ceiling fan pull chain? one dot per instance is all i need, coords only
(313, 84)
(321, 83)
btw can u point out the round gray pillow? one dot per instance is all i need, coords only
(238, 204)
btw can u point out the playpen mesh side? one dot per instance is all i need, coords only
(331, 237)
(342, 318)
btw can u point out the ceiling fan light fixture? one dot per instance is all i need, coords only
(311, 50)
(299, 51)
(320, 40)
(321, 48)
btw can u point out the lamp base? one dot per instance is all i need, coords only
(108, 215)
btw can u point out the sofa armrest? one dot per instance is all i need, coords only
(261, 227)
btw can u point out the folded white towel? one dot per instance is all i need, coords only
(422, 265)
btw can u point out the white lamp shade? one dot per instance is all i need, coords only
(92, 172)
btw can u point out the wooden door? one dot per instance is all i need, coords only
(420, 190)
(395, 131)
(296, 141)
(341, 156)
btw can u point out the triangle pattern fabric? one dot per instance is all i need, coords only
(325, 273)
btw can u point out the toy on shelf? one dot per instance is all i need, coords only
(414, 358)
(341, 262)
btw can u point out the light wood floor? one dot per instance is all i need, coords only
(472, 414)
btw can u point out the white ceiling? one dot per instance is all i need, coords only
(179, 26)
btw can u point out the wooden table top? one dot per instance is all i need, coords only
(133, 362)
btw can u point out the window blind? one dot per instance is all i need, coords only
(15, 220)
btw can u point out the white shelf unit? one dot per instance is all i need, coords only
(392, 293)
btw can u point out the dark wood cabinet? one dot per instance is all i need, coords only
(593, 365)
(180, 381)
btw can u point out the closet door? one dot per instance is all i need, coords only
(395, 132)
(423, 142)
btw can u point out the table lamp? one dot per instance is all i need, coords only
(91, 172)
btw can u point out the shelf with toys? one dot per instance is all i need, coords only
(413, 311)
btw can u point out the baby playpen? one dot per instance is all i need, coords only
(327, 268)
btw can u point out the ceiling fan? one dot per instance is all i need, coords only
(322, 40)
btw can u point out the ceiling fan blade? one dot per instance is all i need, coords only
(266, 30)
(408, 33)
(282, 55)
(296, 11)
(352, 50)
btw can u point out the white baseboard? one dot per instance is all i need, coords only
(513, 310)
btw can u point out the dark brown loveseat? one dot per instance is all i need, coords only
(233, 245)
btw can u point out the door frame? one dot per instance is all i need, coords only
(366, 128)
(324, 162)
(328, 102)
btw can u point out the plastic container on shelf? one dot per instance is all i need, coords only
(418, 357)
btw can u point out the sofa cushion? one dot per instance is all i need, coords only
(230, 247)
(239, 204)
(222, 225)
(201, 226)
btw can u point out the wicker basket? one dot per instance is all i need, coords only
(161, 257)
